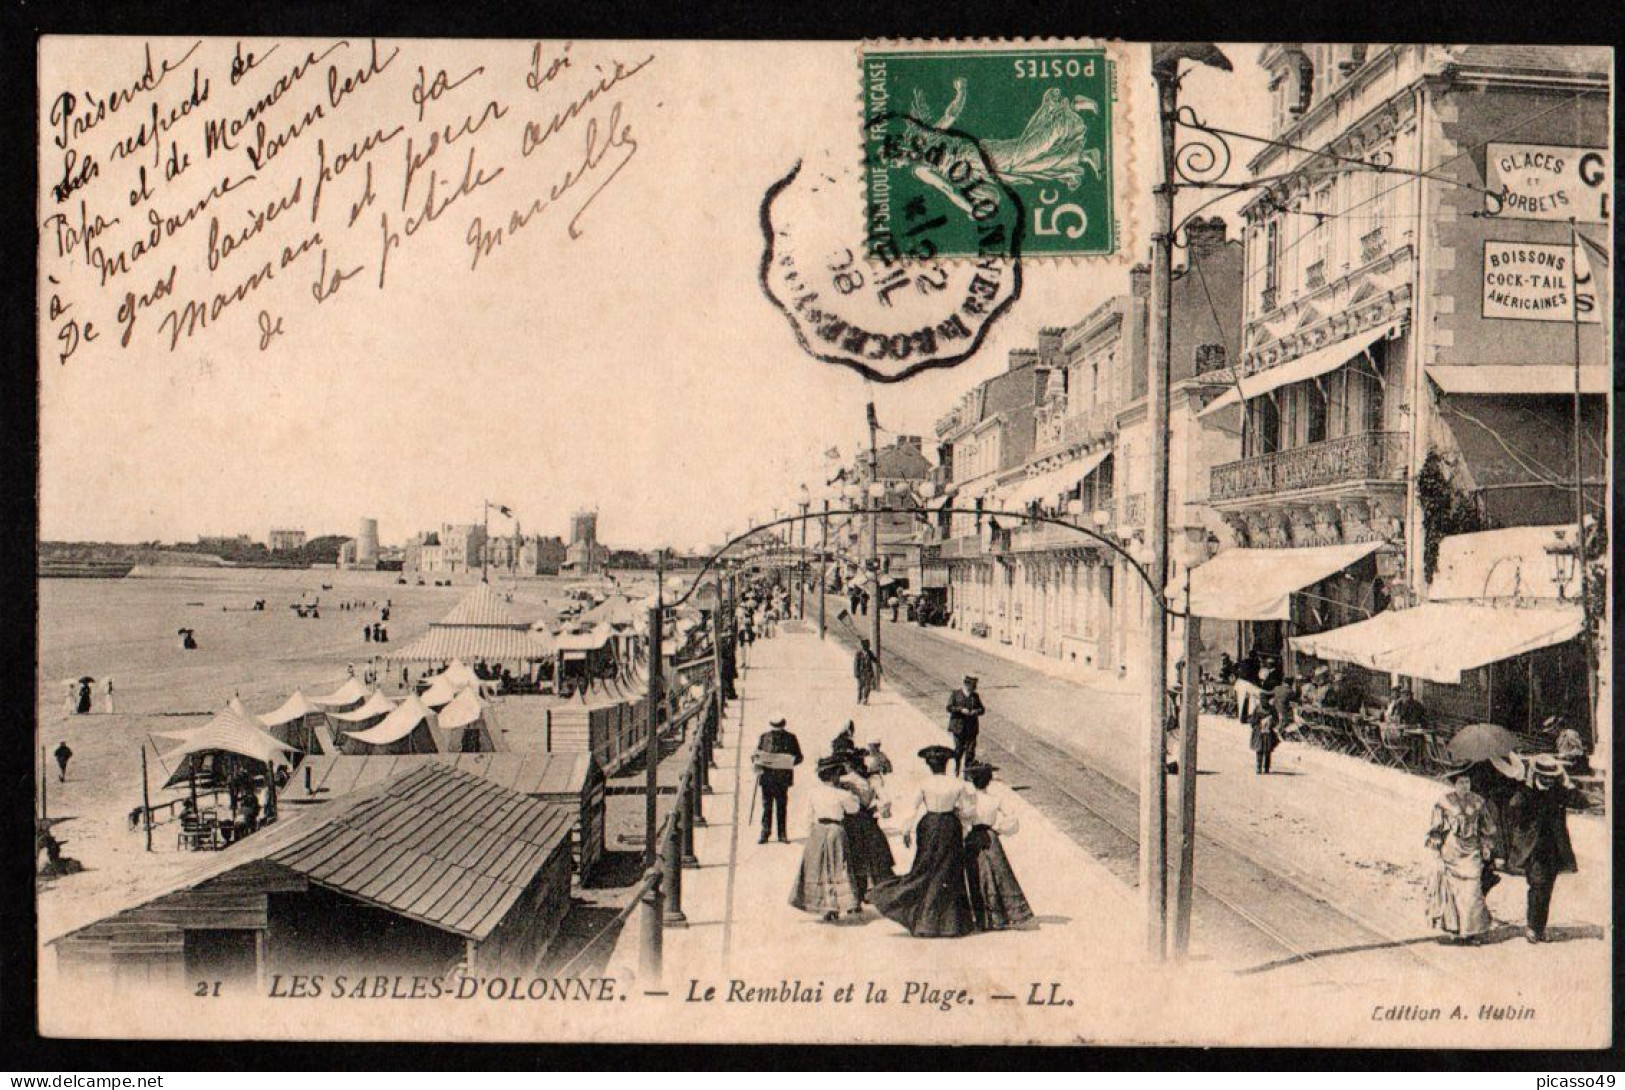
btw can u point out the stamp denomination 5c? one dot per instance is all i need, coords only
(1041, 117)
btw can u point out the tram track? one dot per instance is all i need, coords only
(1258, 919)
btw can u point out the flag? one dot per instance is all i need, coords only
(833, 454)
(840, 475)
(507, 512)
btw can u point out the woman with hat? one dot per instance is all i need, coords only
(996, 899)
(824, 882)
(868, 853)
(931, 900)
(1462, 834)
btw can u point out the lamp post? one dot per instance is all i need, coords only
(801, 560)
(823, 559)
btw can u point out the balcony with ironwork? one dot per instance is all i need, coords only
(1351, 460)
(1076, 429)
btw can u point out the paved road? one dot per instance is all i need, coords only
(1247, 913)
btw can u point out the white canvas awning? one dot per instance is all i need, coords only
(464, 711)
(1438, 641)
(1258, 584)
(1322, 361)
(1515, 562)
(228, 732)
(350, 692)
(1047, 486)
(375, 705)
(296, 707)
(440, 692)
(1533, 378)
(395, 726)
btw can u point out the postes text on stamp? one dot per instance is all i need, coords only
(1041, 117)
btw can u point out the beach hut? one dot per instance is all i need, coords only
(347, 696)
(404, 730)
(482, 628)
(571, 779)
(430, 869)
(460, 726)
(295, 723)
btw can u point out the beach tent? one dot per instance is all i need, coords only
(619, 611)
(404, 730)
(459, 675)
(461, 726)
(375, 706)
(481, 626)
(206, 752)
(292, 723)
(348, 695)
(441, 692)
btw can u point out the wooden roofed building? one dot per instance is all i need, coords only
(425, 871)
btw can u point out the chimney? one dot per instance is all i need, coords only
(1139, 280)
(1205, 236)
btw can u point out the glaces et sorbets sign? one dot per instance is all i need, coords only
(1543, 182)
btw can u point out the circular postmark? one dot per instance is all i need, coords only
(883, 299)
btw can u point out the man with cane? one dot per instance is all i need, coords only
(777, 753)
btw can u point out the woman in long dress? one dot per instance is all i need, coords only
(931, 900)
(1462, 833)
(868, 853)
(824, 881)
(996, 898)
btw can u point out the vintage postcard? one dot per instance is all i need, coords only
(897, 542)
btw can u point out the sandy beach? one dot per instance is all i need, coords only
(126, 629)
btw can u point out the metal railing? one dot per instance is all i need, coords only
(1370, 456)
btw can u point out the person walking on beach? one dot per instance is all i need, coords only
(366, 632)
(107, 691)
(63, 754)
(965, 711)
(777, 753)
(83, 705)
(73, 697)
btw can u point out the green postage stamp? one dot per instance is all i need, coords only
(937, 122)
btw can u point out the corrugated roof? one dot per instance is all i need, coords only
(336, 776)
(444, 846)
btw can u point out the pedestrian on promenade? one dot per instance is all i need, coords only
(996, 899)
(876, 764)
(965, 711)
(931, 900)
(82, 707)
(845, 743)
(867, 851)
(1537, 833)
(62, 754)
(777, 753)
(1263, 738)
(896, 606)
(1462, 834)
(107, 692)
(824, 880)
(864, 669)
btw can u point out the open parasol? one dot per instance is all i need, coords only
(1481, 742)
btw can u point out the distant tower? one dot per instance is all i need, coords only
(366, 544)
(584, 554)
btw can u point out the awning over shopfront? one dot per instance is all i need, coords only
(1515, 562)
(1438, 641)
(1047, 486)
(1257, 584)
(1322, 361)
(1540, 378)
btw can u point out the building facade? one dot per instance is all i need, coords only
(585, 555)
(1389, 389)
(456, 548)
(902, 470)
(285, 541)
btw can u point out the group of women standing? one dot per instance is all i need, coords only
(960, 880)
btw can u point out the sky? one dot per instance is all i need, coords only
(636, 369)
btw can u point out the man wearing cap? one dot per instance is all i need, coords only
(965, 722)
(777, 753)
